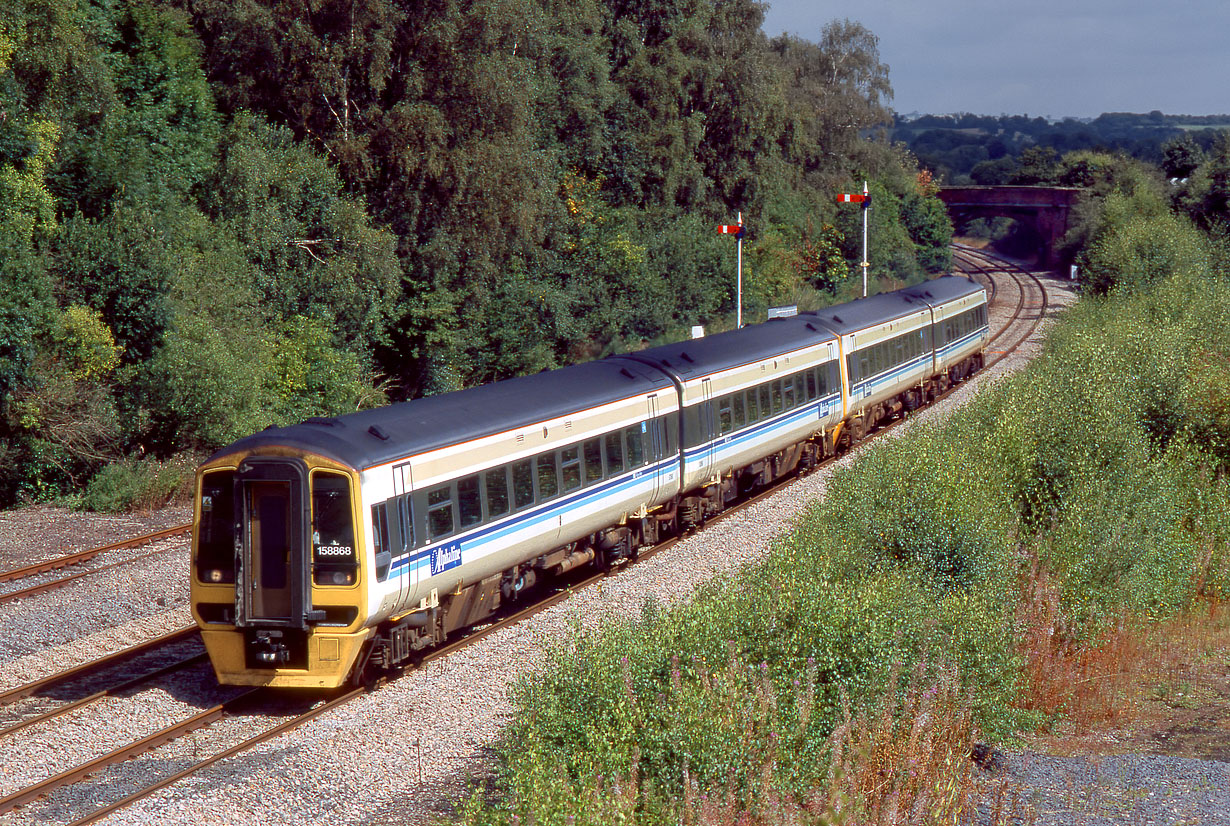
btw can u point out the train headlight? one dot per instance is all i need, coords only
(214, 575)
(342, 578)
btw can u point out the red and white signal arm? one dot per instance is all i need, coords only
(730, 229)
(856, 198)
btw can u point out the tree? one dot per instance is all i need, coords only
(820, 261)
(1181, 156)
(835, 90)
(1206, 195)
(1037, 165)
(312, 250)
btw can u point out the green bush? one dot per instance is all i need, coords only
(138, 485)
(1140, 243)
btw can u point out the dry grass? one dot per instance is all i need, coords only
(906, 762)
(1100, 683)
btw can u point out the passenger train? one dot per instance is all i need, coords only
(334, 550)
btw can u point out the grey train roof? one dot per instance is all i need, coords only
(701, 356)
(372, 437)
(947, 288)
(877, 309)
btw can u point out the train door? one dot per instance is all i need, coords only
(708, 429)
(654, 446)
(403, 523)
(273, 548)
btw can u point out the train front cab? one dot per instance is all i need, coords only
(278, 585)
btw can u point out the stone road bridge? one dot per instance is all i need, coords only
(1044, 208)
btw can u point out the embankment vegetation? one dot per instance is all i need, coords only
(992, 572)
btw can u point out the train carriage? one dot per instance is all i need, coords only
(901, 348)
(336, 548)
(959, 316)
(379, 532)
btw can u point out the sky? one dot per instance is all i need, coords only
(1054, 58)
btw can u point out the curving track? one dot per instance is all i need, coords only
(1030, 301)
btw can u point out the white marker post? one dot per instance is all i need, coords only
(739, 278)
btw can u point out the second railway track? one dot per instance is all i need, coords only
(38, 569)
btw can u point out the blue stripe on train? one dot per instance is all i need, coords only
(545, 512)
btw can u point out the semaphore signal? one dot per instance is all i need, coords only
(865, 200)
(737, 231)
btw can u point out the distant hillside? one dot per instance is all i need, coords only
(964, 148)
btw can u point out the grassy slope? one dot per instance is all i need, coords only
(1082, 495)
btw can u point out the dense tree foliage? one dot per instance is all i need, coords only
(267, 210)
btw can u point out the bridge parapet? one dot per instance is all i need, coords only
(1045, 208)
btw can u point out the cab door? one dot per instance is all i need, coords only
(273, 553)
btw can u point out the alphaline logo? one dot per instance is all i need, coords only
(445, 557)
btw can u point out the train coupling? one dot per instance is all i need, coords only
(269, 649)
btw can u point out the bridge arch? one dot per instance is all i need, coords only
(1044, 208)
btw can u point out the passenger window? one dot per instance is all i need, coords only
(800, 391)
(496, 481)
(739, 410)
(726, 421)
(764, 401)
(380, 537)
(811, 384)
(570, 467)
(548, 484)
(788, 392)
(593, 461)
(777, 396)
(614, 453)
(523, 483)
(439, 512)
(636, 447)
(469, 503)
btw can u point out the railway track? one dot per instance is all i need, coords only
(78, 558)
(1031, 306)
(73, 688)
(246, 706)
